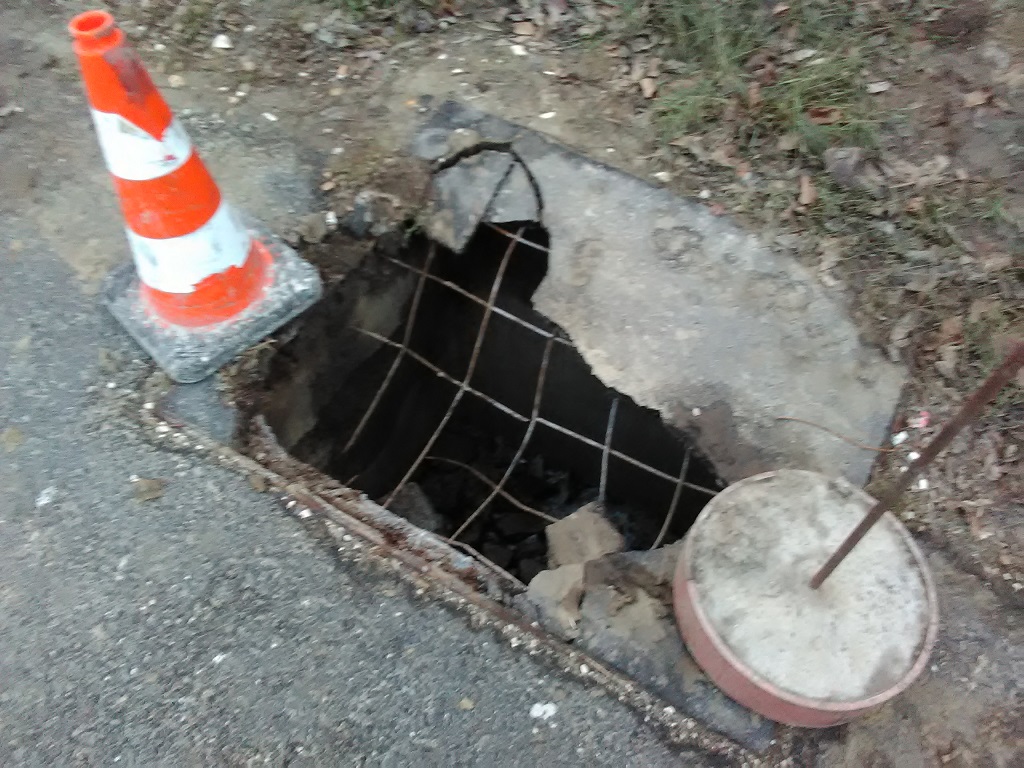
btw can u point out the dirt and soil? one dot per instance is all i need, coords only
(881, 140)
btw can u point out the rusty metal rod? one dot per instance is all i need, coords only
(969, 411)
(538, 394)
(541, 421)
(482, 302)
(470, 370)
(518, 238)
(409, 323)
(675, 500)
(501, 491)
(603, 487)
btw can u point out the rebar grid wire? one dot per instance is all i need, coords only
(540, 420)
(470, 369)
(531, 421)
(476, 299)
(414, 308)
(612, 413)
(537, 395)
(675, 500)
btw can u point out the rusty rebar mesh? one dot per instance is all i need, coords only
(484, 297)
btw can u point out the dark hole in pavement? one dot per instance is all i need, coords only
(343, 396)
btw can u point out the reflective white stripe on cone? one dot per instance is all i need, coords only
(177, 264)
(133, 155)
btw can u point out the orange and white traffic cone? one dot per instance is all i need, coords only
(205, 284)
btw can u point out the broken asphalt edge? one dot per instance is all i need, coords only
(357, 530)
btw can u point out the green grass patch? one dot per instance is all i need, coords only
(730, 46)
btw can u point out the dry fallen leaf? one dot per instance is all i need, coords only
(779, 8)
(648, 87)
(11, 438)
(724, 155)
(524, 28)
(923, 282)
(808, 194)
(466, 704)
(754, 98)
(797, 56)
(716, 209)
(880, 87)
(788, 142)
(951, 330)
(977, 98)
(258, 483)
(899, 337)
(996, 262)
(949, 354)
(982, 307)
(694, 145)
(149, 488)
(914, 205)
(824, 115)
(974, 511)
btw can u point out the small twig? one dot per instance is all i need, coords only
(832, 432)
(969, 411)
(503, 493)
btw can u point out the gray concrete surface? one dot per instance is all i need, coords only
(204, 627)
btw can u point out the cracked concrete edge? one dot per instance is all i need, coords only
(727, 398)
(346, 521)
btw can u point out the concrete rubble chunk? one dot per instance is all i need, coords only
(684, 311)
(582, 536)
(462, 193)
(626, 619)
(557, 594)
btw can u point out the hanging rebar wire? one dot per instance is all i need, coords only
(402, 350)
(491, 484)
(603, 487)
(675, 500)
(470, 369)
(474, 298)
(518, 238)
(537, 395)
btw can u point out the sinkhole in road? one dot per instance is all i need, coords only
(426, 379)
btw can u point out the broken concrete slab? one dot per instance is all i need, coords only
(462, 194)
(689, 314)
(556, 594)
(626, 619)
(582, 536)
